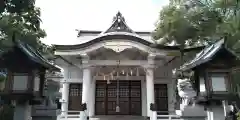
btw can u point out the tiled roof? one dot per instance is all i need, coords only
(35, 55)
(205, 55)
(118, 30)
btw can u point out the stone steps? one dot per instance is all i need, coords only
(126, 117)
(117, 117)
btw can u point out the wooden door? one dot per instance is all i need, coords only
(101, 95)
(135, 98)
(124, 97)
(111, 98)
(129, 97)
(161, 98)
(75, 96)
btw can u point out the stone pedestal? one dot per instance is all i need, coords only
(188, 109)
(195, 112)
(22, 112)
(218, 111)
(48, 110)
(215, 113)
(45, 113)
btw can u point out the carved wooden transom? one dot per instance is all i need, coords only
(126, 54)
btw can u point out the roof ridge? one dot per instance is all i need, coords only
(118, 24)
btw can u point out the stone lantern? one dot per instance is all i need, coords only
(50, 108)
(25, 80)
(212, 68)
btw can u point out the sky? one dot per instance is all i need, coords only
(60, 19)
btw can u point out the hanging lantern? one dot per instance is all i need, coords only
(131, 72)
(117, 74)
(127, 76)
(112, 76)
(137, 72)
(123, 72)
(117, 108)
(108, 81)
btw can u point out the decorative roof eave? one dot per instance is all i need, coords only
(115, 35)
(35, 55)
(206, 55)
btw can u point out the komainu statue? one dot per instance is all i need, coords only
(186, 91)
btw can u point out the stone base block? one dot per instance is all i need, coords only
(192, 113)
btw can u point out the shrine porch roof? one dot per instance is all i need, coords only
(114, 36)
(118, 30)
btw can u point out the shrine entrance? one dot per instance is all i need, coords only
(125, 94)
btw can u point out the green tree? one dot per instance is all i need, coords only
(16, 6)
(200, 22)
(194, 22)
(22, 18)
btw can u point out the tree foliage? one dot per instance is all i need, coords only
(16, 6)
(194, 22)
(22, 18)
(200, 22)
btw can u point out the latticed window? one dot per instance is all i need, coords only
(161, 98)
(135, 93)
(100, 92)
(75, 90)
(112, 92)
(124, 91)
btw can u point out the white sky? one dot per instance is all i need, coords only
(61, 17)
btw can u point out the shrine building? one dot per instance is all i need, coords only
(117, 71)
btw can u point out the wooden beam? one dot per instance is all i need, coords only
(115, 62)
